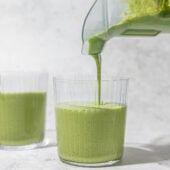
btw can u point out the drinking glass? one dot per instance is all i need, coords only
(89, 134)
(22, 109)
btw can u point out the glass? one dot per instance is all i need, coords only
(112, 18)
(89, 134)
(22, 109)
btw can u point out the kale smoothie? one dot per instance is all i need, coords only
(22, 118)
(90, 133)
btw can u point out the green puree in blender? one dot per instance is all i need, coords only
(90, 133)
(22, 117)
(143, 18)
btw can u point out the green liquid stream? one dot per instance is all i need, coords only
(98, 61)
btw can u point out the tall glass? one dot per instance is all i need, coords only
(89, 134)
(22, 109)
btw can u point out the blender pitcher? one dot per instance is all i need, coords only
(111, 18)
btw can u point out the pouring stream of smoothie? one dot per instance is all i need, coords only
(98, 61)
(143, 18)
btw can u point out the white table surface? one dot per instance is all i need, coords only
(136, 156)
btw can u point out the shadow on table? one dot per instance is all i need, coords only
(157, 151)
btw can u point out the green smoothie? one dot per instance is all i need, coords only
(89, 133)
(22, 118)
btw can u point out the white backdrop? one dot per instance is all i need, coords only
(46, 35)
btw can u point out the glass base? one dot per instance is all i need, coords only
(23, 147)
(93, 165)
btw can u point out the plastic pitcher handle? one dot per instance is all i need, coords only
(96, 19)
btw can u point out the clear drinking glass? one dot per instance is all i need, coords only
(22, 109)
(89, 134)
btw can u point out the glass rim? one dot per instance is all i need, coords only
(89, 78)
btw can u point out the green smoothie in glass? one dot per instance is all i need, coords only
(22, 118)
(90, 133)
